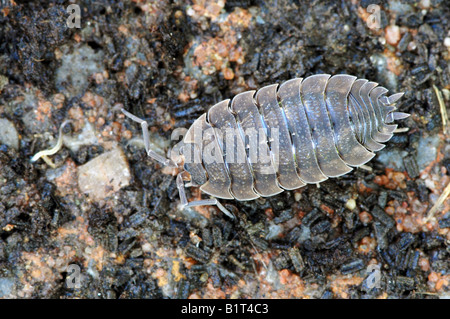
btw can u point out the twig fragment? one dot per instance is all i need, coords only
(443, 109)
(438, 203)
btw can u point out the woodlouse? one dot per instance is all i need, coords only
(324, 125)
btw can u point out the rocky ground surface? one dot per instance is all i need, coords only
(100, 214)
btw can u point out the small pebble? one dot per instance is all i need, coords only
(424, 264)
(8, 134)
(6, 286)
(350, 204)
(425, 4)
(392, 34)
(447, 42)
(427, 150)
(104, 175)
(365, 218)
(433, 277)
(3, 82)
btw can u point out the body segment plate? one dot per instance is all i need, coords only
(350, 150)
(259, 155)
(232, 145)
(308, 166)
(284, 159)
(313, 97)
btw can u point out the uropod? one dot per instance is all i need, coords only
(282, 137)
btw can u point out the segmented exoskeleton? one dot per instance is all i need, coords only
(324, 125)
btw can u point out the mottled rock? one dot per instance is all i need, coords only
(6, 286)
(76, 68)
(427, 151)
(104, 175)
(8, 134)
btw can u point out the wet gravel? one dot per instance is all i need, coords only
(168, 62)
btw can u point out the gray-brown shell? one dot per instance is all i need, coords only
(325, 126)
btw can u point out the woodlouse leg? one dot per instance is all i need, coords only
(150, 152)
(203, 202)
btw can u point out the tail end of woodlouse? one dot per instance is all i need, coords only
(395, 97)
(394, 116)
(389, 108)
